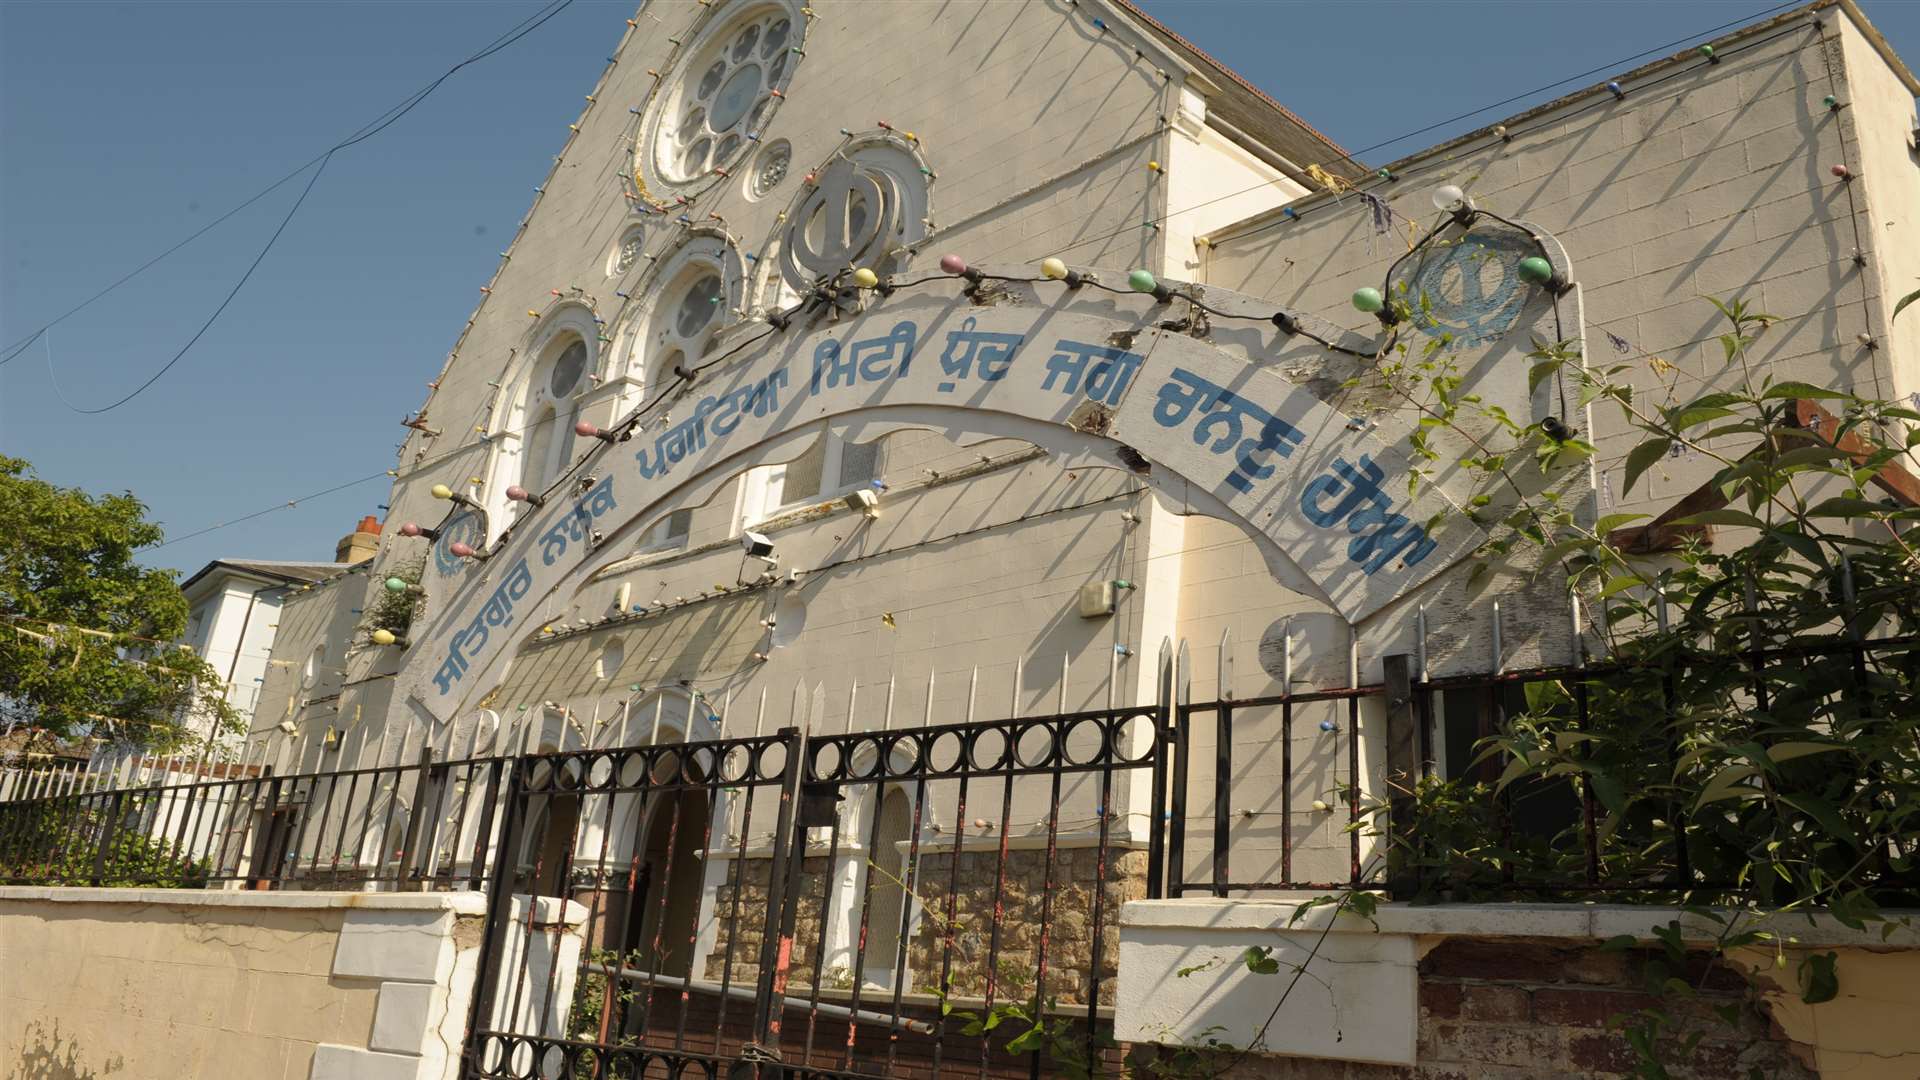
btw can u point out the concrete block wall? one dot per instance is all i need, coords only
(305, 986)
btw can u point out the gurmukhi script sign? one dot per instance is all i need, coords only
(1332, 498)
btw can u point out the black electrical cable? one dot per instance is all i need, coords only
(1346, 156)
(361, 134)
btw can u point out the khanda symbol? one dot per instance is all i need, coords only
(847, 221)
(1470, 289)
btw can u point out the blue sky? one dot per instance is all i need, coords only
(126, 127)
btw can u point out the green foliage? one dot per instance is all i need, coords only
(395, 611)
(1740, 717)
(59, 844)
(1745, 746)
(84, 628)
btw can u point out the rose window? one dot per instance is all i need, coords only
(726, 94)
(628, 252)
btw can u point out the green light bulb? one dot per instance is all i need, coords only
(1368, 299)
(395, 585)
(1142, 281)
(1535, 270)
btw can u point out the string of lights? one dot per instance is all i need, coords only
(1381, 177)
(624, 429)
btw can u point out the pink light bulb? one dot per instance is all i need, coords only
(1841, 171)
(517, 493)
(953, 264)
(409, 529)
(586, 430)
(464, 551)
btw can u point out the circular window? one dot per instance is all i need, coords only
(568, 368)
(627, 251)
(725, 94)
(770, 168)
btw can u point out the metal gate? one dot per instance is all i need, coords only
(934, 901)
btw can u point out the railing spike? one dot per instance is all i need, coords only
(1420, 640)
(1223, 682)
(973, 687)
(926, 718)
(1183, 679)
(1499, 647)
(1019, 669)
(1066, 666)
(853, 699)
(1113, 675)
(1353, 656)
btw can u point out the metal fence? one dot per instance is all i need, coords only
(846, 905)
(861, 904)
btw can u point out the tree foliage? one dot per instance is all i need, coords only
(1753, 735)
(86, 632)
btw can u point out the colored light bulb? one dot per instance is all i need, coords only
(953, 264)
(1368, 299)
(1449, 198)
(1142, 281)
(383, 637)
(410, 529)
(1535, 270)
(865, 278)
(396, 585)
(1053, 269)
(440, 491)
(461, 549)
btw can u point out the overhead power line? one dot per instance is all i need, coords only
(646, 408)
(318, 166)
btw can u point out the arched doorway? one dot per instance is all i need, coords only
(886, 889)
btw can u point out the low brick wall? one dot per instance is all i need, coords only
(1075, 877)
(1539, 1008)
(1504, 992)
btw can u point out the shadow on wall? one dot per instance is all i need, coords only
(43, 1057)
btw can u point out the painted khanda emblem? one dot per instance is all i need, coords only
(1470, 289)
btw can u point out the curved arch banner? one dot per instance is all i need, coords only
(1195, 406)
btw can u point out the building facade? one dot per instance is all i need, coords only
(772, 417)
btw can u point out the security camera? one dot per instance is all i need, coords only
(757, 546)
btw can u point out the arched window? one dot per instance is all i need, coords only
(552, 411)
(831, 466)
(533, 425)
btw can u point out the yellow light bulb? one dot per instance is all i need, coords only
(865, 278)
(1053, 269)
(383, 637)
(441, 491)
